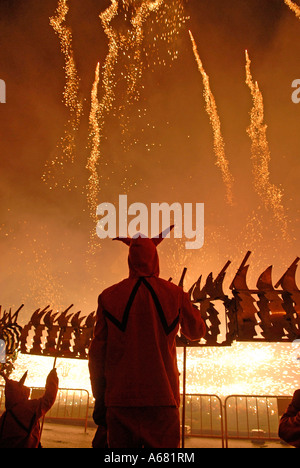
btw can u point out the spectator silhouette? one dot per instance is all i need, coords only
(19, 424)
(289, 426)
(132, 358)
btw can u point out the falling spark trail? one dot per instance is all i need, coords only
(70, 94)
(116, 43)
(95, 135)
(294, 7)
(72, 79)
(137, 21)
(211, 109)
(98, 111)
(261, 157)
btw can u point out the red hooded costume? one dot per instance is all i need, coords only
(19, 424)
(289, 426)
(132, 358)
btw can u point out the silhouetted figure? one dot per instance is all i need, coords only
(289, 426)
(132, 358)
(19, 424)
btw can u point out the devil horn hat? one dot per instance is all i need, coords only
(156, 240)
(22, 380)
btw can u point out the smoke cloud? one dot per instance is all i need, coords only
(159, 150)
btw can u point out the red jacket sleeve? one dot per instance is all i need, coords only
(97, 355)
(289, 426)
(48, 400)
(191, 322)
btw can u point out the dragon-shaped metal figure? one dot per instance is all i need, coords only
(268, 313)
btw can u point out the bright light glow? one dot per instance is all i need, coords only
(244, 368)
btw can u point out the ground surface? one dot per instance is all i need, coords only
(67, 436)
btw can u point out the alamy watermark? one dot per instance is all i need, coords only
(134, 220)
(2, 352)
(296, 93)
(296, 350)
(2, 92)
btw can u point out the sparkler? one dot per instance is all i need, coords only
(294, 7)
(211, 109)
(261, 156)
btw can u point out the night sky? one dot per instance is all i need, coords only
(166, 153)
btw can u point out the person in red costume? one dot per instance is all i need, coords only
(19, 424)
(289, 426)
(132, 357)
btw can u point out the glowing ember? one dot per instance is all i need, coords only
(261, 157)
(211, 109)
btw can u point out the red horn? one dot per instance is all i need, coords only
(125, 240)
(157, 240)
(22, 381)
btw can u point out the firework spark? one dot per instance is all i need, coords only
(95, 137)
(124, 62)
(71, 90)
(161, 46)
(72, 80)
(100, 108)
(294, 7)
(261, 156)
(243, 368)
(211, 109)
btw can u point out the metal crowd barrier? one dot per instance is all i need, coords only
(244, 417)
(253, 417)
(2, 399)
(204, 416)
(71, 405)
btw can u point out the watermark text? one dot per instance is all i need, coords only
(2, 92)
(2, 352)
(135, 219)
(296, 93)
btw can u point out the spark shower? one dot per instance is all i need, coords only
(129, 46)
(148, 35)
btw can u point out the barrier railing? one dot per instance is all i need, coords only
(248, 417)
(253, 417)
(70, 404)
(204, 416)
(2, 399)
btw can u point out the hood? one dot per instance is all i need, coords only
(143, 257)
(15, 392)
